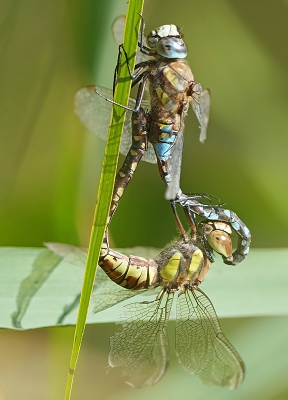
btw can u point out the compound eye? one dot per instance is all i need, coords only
(152, 41)
(171, 47)
(221, 242)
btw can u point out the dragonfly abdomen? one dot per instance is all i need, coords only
(130, 272)
(163, 136)
(137, 149)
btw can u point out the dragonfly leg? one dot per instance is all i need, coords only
(192, 222)
(207, 196)
(137, 149)
(139, 95)
(191, 218)
(138, 67)
(117, 68)
(143, 49)
(178, 222)
(190, 215)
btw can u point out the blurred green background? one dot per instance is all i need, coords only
(50, 171)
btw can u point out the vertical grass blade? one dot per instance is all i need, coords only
(108, 172)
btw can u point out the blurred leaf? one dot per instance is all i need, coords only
(257, 287)
(42, 267)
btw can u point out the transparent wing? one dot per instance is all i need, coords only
(141, 347)
(175, 165)
(94, 113)
(107, 293)
(201, 107)
(201, 346)
(72, 254)
(118, 29)
(149, 155)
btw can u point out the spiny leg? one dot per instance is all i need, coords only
(143, 49)
(138, 67)
(135, 76)
(143, 78)
(178, 222)
(191, 219)
(190, 215)
(117, 68)
(192, 222)
(186, 201)
(207, 196)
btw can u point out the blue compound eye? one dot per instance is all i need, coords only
(171, 47)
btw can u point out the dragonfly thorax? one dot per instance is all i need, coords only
(183, 263)
(167, 42)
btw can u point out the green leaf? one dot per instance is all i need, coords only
(42, 268)
(256, 287)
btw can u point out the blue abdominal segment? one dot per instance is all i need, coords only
(167, 140)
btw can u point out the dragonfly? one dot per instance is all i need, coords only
(141, 347)
(109, 293)
(190, 203)
(88, 105)
(171, 89)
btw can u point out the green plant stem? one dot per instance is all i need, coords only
(108, 173)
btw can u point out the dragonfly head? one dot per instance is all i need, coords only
(218, 236)
(167, 42)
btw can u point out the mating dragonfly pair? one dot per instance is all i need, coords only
(141, 347)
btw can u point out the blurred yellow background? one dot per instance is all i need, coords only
(50, 171)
